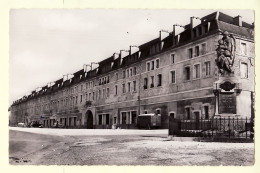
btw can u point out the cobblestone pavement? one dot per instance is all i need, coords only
(112, 147)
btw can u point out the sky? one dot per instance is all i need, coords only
(46, 44)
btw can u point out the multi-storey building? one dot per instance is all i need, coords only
(171, 76)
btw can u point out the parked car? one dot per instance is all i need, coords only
(36, 124)
(20, 124)
(149, 121)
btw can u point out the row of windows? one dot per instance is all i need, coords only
(128, 85)
(152, 82)
(197, 71)
(197, 50)
(151, 65)
(104, 80)
(128, 73)
(198, 31)
(196, 114)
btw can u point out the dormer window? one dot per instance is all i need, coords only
(206, 30)
(200, 31)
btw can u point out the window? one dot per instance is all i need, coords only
(206, 111)
(124, 74)
(127, 73)
(207, 68)
(196, 71)
(116, 76)
(194, 32)
(107, 92)
(152, 82)
(152, 65)
(104, 93)
(197, 51)
(203, 48)
(159, 80)
(81, 88)
(158, 111)
(134, 85)
(123, 119)
(187, 73)
(243, 48)
(200, 31)
(145, 83)
(190, 52)
(123, 88)
(172, 58)
(99, 94)
(115, 120)
(131, 72)
(107, 119)
(80, 98)
(243, 70)
(206, 28)
(128, 87)
(148, 66)
(107, 79)
(134, 71)
(187, 112)
(116, 90)
(133, 118)
(100, 119)
(76, 99)
(173, 77)
(172, 114)
(157, 63)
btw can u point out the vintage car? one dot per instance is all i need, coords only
(35, 124)
(149, 121)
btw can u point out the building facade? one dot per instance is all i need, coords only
(173, 75)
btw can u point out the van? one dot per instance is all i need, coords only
(149, 121)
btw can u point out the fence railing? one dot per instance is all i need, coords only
(215, 127)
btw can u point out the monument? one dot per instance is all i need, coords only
(228, 87)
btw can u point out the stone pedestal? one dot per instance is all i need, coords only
(226, 91)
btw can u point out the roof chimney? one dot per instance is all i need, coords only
(191, 27)
(238, 20)
(174, 30)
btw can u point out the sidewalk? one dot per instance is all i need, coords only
(90, 132)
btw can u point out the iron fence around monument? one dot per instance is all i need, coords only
(216, 127)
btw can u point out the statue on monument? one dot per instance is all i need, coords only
(226, 53)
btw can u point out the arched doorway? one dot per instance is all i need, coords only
(89, 120)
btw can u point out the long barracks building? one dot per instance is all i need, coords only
(171, 76)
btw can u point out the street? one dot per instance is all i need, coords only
(36, 146)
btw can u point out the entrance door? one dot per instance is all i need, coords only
(173, 124)
(197, 120)
(89, 120)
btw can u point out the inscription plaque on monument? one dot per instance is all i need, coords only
(227, 103)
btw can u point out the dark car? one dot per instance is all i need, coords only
(149, 121)
(36, 124)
